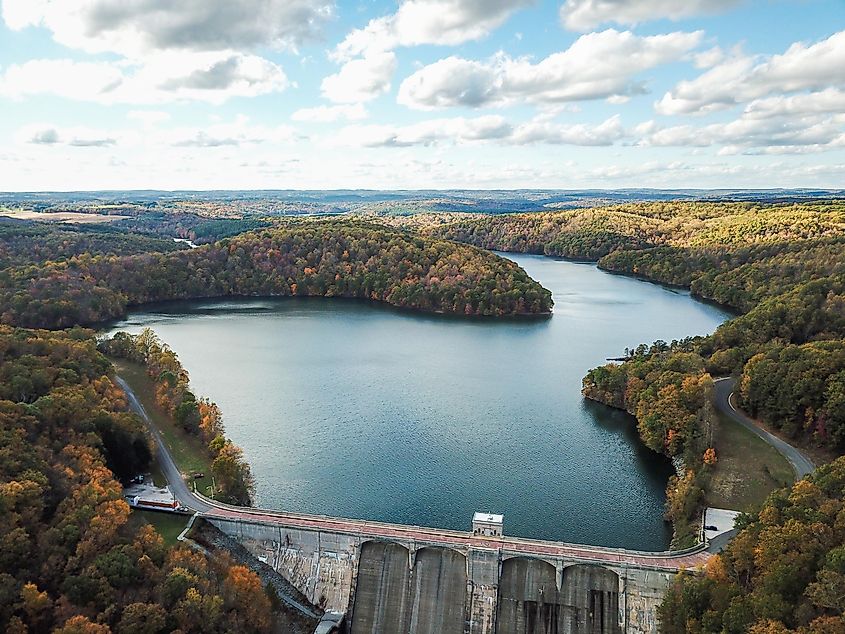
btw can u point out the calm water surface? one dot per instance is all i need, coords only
(353, 409)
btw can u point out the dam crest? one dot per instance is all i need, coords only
(395, 579)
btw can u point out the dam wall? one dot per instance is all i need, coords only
(407, 587)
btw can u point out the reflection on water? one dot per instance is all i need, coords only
(353, 409)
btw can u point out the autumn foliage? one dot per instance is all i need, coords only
(328, 259)
(70, 560)
(783, 572)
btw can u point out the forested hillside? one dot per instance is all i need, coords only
(783, 572)
(331, 259)
(591, 234)
(70, 559)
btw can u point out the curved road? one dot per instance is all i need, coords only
(174, 477)
(801, 464)
(666, 561)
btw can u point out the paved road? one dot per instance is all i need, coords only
(725, 404)
(667, 561)
(174, 477)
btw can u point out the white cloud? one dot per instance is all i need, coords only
(596, 66)
(327, 114)
(710, 58)
(361, 79)
(45, 134)
(165, 77)
(764, 135)
(584, 15)
(488, 128)
(455, 130)
(148, 117)
(138, 27)
(603, 134)
(237, 132)
(831, 100)
(66, 78)
(742, 78)
(367, 53)
(446, 22)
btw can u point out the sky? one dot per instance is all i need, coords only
(419, 94)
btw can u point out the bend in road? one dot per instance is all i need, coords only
(800, 462)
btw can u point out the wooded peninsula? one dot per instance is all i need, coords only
(331, 259)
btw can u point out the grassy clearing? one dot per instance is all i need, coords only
(748, 469)
(188, 451)
(168, 525)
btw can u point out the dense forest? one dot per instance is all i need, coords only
(331, 259)
(782, 266)
(783, 572)
(70, 559)
(591, 234)
(199, 417)
(26, 243)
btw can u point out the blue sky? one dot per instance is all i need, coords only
(210, 94)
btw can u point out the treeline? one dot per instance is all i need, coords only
(70, 560)
(799, 389)
(783, 572)
(590, 234)
(738, 277)
(198, 417)
(583, 234)
(24, 243)
(331, 259)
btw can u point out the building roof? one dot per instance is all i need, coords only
(149, 493)
(490, 518)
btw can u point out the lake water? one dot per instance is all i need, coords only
(354, 409)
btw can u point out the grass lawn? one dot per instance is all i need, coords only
(168, 525)
(748, 469)
(188, 451)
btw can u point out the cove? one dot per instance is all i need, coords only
(354, 409)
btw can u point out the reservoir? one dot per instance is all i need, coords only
(354, 409)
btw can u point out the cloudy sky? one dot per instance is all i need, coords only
(211, 94)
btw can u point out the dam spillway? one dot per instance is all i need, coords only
(393, 579)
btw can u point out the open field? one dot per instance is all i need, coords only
(187, 451)
(748, 469)
(59, 216)
(168, 525)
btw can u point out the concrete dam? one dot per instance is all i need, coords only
(393, 579)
